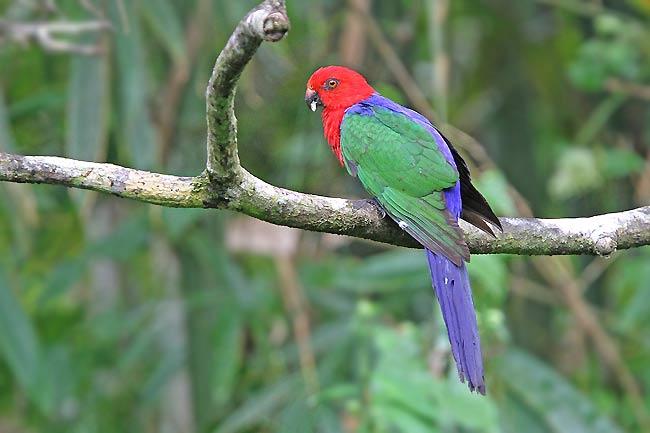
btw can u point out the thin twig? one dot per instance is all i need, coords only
(635, 90)
(529, 289)
(296, 306)
(576, 6)
(179, 76)
(46, 35)
(438, 15)
(594, 270)
(642, 187)
(353, 39)
(92, 8)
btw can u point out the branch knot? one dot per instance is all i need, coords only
(605, 245)
(275, 26)
(269, 21)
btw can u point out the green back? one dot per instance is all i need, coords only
(399, 163)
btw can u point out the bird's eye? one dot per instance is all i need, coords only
(331, 84)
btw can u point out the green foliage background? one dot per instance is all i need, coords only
(120, 316)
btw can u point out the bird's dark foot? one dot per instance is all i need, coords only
(361, 204)
(379, 207)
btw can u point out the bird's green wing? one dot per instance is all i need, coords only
(399, 163)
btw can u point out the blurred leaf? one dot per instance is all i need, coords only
(164, 20)
(407, 398)
(577, 172)
(135, 125)
(394, 419)
(339, 391)
(601, 58)
(228, 345)
(608, 24)
(516, 417)
(325, 339)
(19, 344)
(259, 406)
(619, 162)
(599, 118)
(168, 366)
(139, 348)
(31, 105)
(178, 221)
(588, 72)
(394, 270)
(87, 108)
(399, 378)
(391, 92)
(494, 186)
(298, 417)
(327, 420)
(20, 197)
(644, 5)
(7, 143)
(490, 273)
(63, 277)
(56, 381)
(126, 240)
(550, 396)
(630, 284)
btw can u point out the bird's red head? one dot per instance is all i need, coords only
(336, 88)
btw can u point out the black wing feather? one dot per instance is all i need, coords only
(476, 210)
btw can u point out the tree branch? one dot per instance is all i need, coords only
(226, 185)
(599, 235)
(160, 189)
(266, 22)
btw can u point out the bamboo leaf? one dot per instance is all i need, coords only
(7, 143)
(87, 108)
(260, 405)
(550, 396)
(19, 344)
(165, 23)
(21, 196)
(227, 341)
(137, 133)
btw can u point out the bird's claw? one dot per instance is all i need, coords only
(362, 204)
(379, 207)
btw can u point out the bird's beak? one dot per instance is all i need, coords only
(312, 99)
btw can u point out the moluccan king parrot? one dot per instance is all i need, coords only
(420, 181)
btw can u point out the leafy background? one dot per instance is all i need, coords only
(120, 316)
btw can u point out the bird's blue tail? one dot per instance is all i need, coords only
(454, 294)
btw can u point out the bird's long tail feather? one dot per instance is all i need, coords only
(454, 294)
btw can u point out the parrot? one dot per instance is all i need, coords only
(419, 180)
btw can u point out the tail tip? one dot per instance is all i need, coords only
(476, 387)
